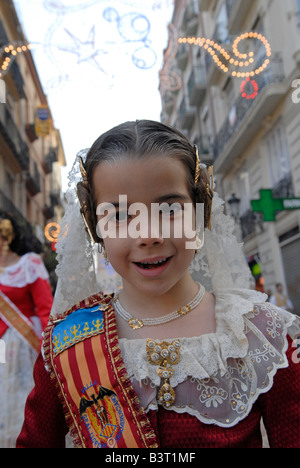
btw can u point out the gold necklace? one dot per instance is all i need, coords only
(137, 323)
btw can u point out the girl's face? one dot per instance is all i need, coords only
(147, 259)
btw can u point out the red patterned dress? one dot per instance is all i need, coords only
(226, 383)
(26, 285)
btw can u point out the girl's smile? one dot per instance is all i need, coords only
(151, 262)
(151, 267)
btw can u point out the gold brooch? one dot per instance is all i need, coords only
(164, 355)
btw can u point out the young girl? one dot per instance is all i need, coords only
(184, 355)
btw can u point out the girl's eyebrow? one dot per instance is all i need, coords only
(173, 196)
(161, 199)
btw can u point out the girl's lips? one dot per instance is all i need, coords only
(154, 269)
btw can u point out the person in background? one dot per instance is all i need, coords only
(25, 305)
(280, 299)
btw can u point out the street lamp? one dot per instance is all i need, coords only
(234, 203)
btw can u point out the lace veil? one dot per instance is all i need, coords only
(81, 271)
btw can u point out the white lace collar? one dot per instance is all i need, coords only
(25, 271)
(220, 375)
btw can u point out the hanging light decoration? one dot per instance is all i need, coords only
(239, 60)
(255, 88)
(8, 53)
(238, 64)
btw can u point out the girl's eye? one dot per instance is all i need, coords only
(120, 216)
(170, 209)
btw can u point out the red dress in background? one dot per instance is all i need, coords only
(26, 284)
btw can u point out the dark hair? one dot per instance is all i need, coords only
(21, 243)
(144, 138)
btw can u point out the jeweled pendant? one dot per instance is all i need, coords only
(166, 395)
(135, 323)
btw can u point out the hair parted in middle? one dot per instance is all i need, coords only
(136, 140)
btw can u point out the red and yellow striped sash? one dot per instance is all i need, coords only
(101, 406)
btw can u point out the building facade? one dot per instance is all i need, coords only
(30, 161)
(247, 125)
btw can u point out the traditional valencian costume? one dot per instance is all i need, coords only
(25, 305)
(207, 391)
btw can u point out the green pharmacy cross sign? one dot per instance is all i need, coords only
(269, 205)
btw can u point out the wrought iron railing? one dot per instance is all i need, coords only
(274, 74)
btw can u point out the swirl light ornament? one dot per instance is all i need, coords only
(52, 231)
(238, 61)
(238, 64)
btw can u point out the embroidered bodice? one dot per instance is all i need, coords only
(26, 284)
(219, 376)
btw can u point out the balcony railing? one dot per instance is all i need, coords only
(273, 75)
(205, 149)
(33, 181)
(182, 56)
(237, 11)
(186, 114)
(248, 222)
(284, 188)
(11, 134)
(197, 85)
(190, 19)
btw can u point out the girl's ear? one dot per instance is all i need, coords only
(87, 211)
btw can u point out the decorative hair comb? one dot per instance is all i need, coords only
(197, 169)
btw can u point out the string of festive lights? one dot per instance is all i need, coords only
(8, 53)
(52, 231)
(244, 92)
(239, 60)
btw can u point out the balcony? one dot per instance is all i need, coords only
(182, 56)
(284, 188)
(190, 20)
(48, 211)
(205, 149)
(49, 159)
(55, 197)
(197, 85)
(246, 115)
(33, 184)
(186, 114)
(237, 11)
(248, 222)
(10, 133)
(30, 132)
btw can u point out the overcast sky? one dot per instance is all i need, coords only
(98, 62)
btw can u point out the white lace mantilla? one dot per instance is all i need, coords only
(27, 270)
(220, 375)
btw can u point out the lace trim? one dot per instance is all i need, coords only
(220, 375)
(27, 270)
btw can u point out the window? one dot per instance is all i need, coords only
(244, 191)
(278, 155)
(221, 34)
